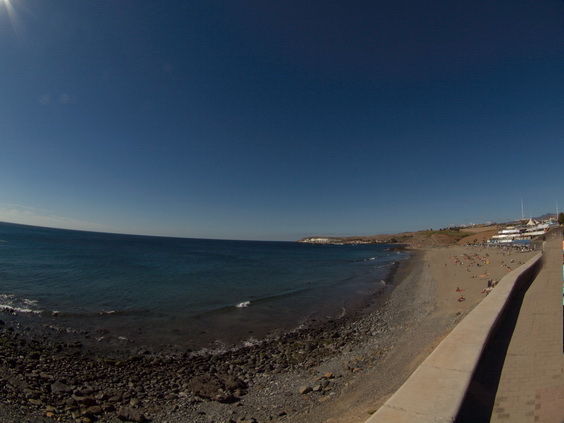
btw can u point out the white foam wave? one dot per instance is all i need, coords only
(63, 329)
(12, 309)
(244, 304)
(9, 303)
(251, 342)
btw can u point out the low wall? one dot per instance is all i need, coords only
(435, 391)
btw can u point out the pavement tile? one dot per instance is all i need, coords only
(531, 386)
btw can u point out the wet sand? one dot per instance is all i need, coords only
(336, 371)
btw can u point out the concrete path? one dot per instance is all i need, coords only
(531, 388)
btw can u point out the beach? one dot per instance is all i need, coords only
(340, 370)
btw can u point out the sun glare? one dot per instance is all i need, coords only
(7, 4)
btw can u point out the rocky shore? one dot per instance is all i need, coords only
(270, 380)
(334, 371)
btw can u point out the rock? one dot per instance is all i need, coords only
(87, 401)
(100, 396)
(34, 355)
(70, 402)
(205, 386)
(95, 409)
(128, 414)
(232, 383)
(305, 390)
(60, 388)
(44, 375)
(108, 408)
(31, 393)
(226, 398)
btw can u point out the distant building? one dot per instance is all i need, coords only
(522, 233)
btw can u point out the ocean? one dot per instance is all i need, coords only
(139, 291)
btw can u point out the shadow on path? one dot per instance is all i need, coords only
(479, 401)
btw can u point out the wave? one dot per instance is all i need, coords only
(14, 310)
(99, 314)
(385, 259)
(308, 287)
(9, 303)
(245, 304)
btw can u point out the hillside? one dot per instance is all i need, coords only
(426, 238)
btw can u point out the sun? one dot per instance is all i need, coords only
(12, 15)
(7, 4)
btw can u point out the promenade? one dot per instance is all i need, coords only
(502, 363)
(531, 385)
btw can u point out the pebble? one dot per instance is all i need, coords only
(129, 414)
(305, 390)
(60, 387)
(83, 387)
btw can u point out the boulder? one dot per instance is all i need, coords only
(60, 388)
(128, 414)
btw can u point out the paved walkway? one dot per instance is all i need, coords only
(531, 388)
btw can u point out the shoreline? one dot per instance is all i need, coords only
(97, 341)
(334, 371)
(132, 331)
(20, 350)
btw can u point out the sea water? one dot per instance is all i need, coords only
(175, 291)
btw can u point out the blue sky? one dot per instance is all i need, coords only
(275, 120)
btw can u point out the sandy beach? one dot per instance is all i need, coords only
(438, 289)
(340, 371)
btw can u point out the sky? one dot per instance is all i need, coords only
(273, 120)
